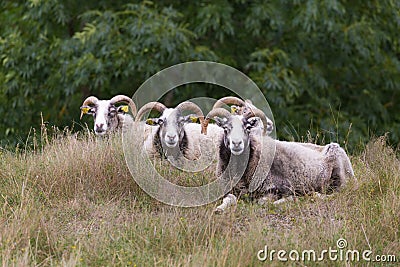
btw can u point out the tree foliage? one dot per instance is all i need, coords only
(327, 66)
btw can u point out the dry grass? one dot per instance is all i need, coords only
(73, 202)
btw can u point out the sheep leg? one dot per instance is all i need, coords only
(228, 201)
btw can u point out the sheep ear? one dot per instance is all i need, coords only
(234, 109)
(123, 109)
(270, 128)
(87, 110)
(191, 118)
(153, 122)
(252, 122)
(220, 121)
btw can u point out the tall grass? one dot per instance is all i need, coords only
(71, 201)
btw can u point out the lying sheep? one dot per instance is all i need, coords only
(175, 135)
(107, 116)
(295, 168)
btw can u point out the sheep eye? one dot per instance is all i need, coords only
(112, 113)
(226, 128)
(91, 111)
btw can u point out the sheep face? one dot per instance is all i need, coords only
(171, 125)
(105, 115)
(246, 111)
(236, 132)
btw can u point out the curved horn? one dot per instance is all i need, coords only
(148, 107)
(125, 99)
(187, 105)
(214, 112)
(228, 100)
(88, 101)
(218, 112)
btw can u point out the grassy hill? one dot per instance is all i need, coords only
(72, 202)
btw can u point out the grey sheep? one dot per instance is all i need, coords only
(274, 167)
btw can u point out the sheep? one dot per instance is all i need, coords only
(107, 116)
(175, 135)
(294, 169)
(245, 108)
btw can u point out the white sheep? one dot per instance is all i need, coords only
(294, 168)
(175, 135)
(107, 116)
